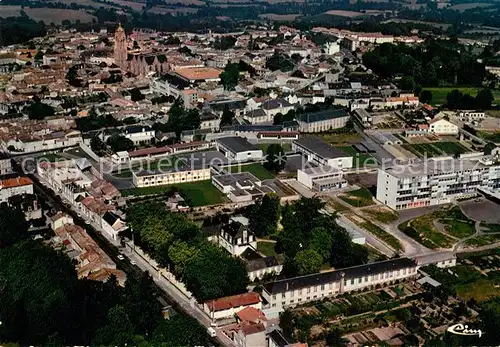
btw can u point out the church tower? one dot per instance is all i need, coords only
(120, 52)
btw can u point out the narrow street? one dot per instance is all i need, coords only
(165, 289)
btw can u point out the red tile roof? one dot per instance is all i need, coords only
(15, 182)
(228, 302)
(252, 315)
(149, 151)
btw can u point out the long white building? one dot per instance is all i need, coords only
(436, 181)
(298, 290)
(321, 153)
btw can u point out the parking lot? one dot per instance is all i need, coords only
(484, 210)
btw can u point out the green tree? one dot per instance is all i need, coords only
(308, 262)
(230, 76)
(39, 56)
(425, 96)
(490, 146)
(136, 95)
(275, 158)
(97, 145)
(278, 119)
(180, 330)
(321, 242)
(180, 253)
(264, 215)
(38, 110)
(227, 117)
(454, 99)
(334, 338)
(118, 331)
(214, 273)
(484, 99)
(13, 226)
(120, 143)
(408, 83)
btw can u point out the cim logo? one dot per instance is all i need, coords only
(460, 329)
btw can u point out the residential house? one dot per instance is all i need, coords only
(442, 127)
(112, 225)
(15, 186)
(229, 306)
(235, 236)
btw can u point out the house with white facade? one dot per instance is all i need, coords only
(321, 153)
(112, 225)
(471, 116)
(15, 186)
(230, 305)
(149, 178)
(442, 127)
(139, 134)
(235, 236)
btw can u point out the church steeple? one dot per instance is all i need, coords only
(120, 50)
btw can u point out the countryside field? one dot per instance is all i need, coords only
(47, 15)
(439, 94)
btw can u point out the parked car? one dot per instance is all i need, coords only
(133, 262)
(120, 257)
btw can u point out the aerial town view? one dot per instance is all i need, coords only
(246, 173)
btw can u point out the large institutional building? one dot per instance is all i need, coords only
(436, 181)
(298, 290)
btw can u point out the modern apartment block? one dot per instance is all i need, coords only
(149, 178)
(298, 290)
(436, 181)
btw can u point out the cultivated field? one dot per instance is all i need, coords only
(47, 15)
(85, 3)
(134, 5)
(350, 14)
(279, 17)
(164, 10)
(463, 7)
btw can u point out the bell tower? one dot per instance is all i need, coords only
(120, 51)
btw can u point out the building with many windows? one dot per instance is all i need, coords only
(238, 149)
(149, 178)
(436, 181)
(321, 153)
(321, 178)
(322, 121)
(298, 290)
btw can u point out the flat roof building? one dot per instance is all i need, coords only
(321, 153)
(321, 178)
(238, 149)
(436, 181)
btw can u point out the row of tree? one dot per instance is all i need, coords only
(208, 271)
(42, 301)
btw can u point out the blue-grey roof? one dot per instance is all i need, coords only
(322, 115)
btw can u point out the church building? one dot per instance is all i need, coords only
(138, 64)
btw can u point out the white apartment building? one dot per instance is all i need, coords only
(15, 186)
(321, 178)
(298, 290)
(28, 143)
(150, 178)
(238, 149)
(436, 181)
(321, 153)
(442, 127)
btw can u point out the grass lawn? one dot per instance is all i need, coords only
(459, 228)
(342, 138)
(358, 198)
(439, 94)
(480, 290)
(483, 240)
(359, 159)
(490, 136)
(490, 228)
(199, 193)
(382, 235)
(450, 147)
(383, 216)
(266, 248)
(287, 146)
(422, 230)
(258, 170)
